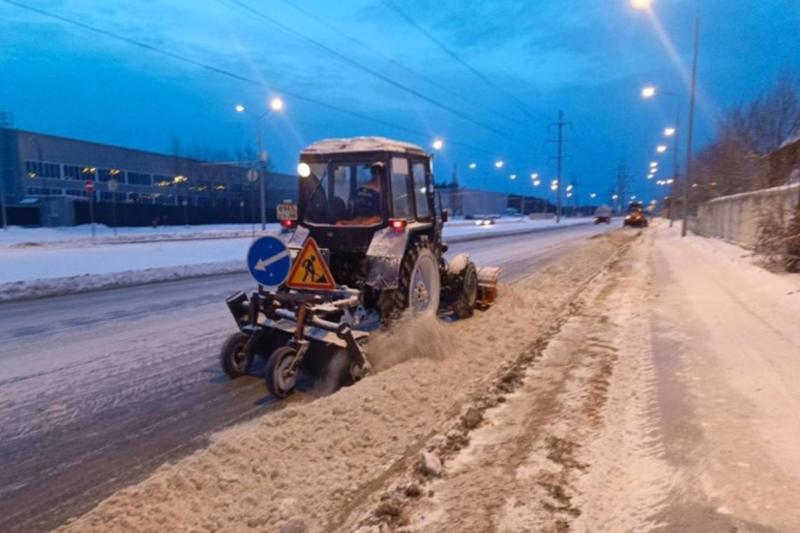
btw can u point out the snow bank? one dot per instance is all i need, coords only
(65, 261)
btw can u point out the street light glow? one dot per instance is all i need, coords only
(535, 176)
(239, 108)
(438, 144)
(513, 176)
(593, 195)
(653, 164)
(661, 148)
(536, 183)
(499, 164)
(669, 132)
(473, 166)
(276, 104)
(642, 5)
(303, 170)
(648, 92)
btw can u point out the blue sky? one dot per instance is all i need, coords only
(587, 57)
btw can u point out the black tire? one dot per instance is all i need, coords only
(464, 305)
(234, 356)
(280, 383)
(392, 303)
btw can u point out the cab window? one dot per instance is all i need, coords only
(401, 201)
(421, 191)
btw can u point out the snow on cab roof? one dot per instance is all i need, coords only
(361, 144)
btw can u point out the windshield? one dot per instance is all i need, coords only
(343, 194)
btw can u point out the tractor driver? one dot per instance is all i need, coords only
(367, 202)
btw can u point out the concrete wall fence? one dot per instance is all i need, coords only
(736, 218)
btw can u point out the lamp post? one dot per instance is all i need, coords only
(646, 5)
(275, 104)
(181, 181)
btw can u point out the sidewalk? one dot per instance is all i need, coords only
(727, 352)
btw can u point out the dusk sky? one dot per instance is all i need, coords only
(589, 58)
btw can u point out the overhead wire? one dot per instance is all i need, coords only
(456, 57)
(364, 68)
(227, 73)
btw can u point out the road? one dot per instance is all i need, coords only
(99, 389)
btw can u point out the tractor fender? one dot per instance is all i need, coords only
(384, 256)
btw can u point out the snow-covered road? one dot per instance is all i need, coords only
(98, 389)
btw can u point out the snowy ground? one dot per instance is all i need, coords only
(98, 389)
(64, 261)
(642, 382)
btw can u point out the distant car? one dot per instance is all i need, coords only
(635, 217)
(602, 215)
(485, 221)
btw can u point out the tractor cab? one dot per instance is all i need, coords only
(361, 192)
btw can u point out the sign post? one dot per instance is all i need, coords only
(112, 188)
(89, 187)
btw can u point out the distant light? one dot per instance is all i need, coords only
(633, 197)
(473, 166)
(513, 176)
(648, 92)
(593, 195)
(569, 188)
(661, 148)
(438, 144)
(670, 181)
(499, 164)
(536, 183)
(569, 195)
(669, 132)
(653, 164)
(641, 4)
(650, 176)
(180, 179)
(535, 176)
(276, 104)
(614, 196)
(239, 108)
(303, 170)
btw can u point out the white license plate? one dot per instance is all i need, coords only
(287, 211)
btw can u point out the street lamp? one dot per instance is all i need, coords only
(669, 132)
(648, 92)
(473, 166)
(275, 104)
(642, 5)
(499, 164)
(513, 176)
(661, 148)
(438, 144)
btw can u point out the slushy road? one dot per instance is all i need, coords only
(99, 389)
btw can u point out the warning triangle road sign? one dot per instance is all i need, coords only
(310, 271)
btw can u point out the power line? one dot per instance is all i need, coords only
(559, 158)
(364, 68)
(358, 42)
(227, 73)
(488, 81)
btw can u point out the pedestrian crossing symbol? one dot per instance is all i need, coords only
(310, 271)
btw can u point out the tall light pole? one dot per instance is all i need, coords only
(275, 104)
(691, 124)
(646, 5)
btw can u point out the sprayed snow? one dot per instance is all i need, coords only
(458, 264)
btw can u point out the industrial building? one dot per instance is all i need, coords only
(49, 180)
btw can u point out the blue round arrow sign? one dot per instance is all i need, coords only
(268, 261)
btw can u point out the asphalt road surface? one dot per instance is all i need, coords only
(99, 389)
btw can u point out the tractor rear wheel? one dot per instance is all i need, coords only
(464, 305)
(418, 285)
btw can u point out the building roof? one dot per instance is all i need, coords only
(362, 144)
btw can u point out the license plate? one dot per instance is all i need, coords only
(287, 211)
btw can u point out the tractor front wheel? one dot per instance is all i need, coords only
(234, 356)
(280, 373)
(464, 305)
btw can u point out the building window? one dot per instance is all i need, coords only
(42, 191)
(137, 178)
(71, 172)
(74, 192)
(105, 174)
(37, 169)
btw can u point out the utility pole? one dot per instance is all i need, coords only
(262, 171)
(559, 159)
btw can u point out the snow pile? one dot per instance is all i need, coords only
(410, 338)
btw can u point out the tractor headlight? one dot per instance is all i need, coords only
(303, 170)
